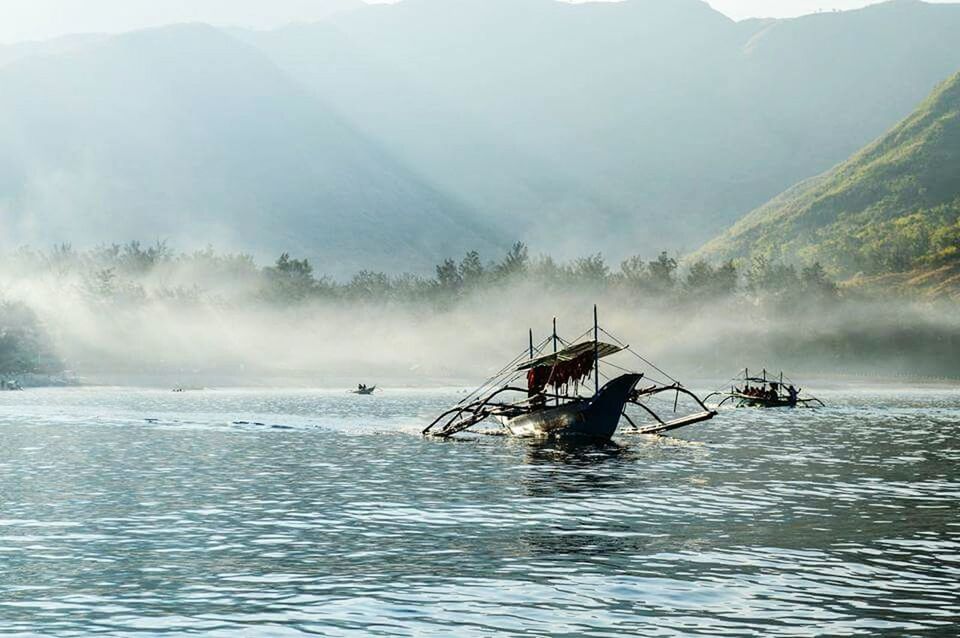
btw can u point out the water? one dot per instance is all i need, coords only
(334, 518)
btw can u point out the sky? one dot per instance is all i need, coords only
(42, 19)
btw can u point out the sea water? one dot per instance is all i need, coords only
(305, 513)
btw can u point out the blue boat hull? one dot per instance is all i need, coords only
(596, 418)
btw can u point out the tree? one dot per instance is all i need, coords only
(633, 271)
(290, 279)
(448, 276)
(515, 262)
(704, 279)
(662, 272)
(591, 269)
(471, 269)
(814, 280)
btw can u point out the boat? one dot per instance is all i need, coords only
(765, 391)
(11, 385)
(558, 394)
(364, 390)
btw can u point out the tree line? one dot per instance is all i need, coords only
(134, 271)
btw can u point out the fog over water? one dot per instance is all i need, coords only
(180, 323)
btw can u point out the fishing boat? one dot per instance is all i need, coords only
(554, 390)
(364, 390)
(765, 391)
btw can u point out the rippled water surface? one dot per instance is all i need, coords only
(150, 513)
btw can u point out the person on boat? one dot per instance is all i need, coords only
(361, 387)
(792, 391)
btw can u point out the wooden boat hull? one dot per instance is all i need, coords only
(592, 419)
(756, 402)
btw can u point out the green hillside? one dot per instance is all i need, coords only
(894, 207)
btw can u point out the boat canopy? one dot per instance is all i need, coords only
(571, 353)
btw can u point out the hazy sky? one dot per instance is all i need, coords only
(39, 19)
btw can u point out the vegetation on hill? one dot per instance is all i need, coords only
(893, 207)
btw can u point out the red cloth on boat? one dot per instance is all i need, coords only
(537, 379)
(560, 374)
(575, 370)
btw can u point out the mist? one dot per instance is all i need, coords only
(153, 316)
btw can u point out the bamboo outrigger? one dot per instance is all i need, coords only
(556, 401)
(767, 391)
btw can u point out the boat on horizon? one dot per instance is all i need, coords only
(765, 391)
(559, 394)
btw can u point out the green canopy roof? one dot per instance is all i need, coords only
(571, 353)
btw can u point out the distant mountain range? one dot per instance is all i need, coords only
(392, 135)
(894, 207)
(187, 133)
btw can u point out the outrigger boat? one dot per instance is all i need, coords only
(364, 390)
(766, 391)
(549, 395)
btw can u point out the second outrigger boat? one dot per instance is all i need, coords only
(549, 395)
(765, 391)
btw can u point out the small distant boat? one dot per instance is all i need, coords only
(364, 390)
(11, 385)
(765, 391)
(558, 395)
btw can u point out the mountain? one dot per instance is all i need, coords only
(623, 126)
(390, 135)
(188, 134)
(65, 44)
(894, 207)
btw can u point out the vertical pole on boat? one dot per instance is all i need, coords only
(531, 344)
(596, 352)
(557, 392)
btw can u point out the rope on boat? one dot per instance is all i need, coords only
(637, 355)
(507, 368)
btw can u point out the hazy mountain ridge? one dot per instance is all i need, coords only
(661, 122)
(393, 135)
(186, 133)
(894, 207)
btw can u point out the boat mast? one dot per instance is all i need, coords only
(557, 392)
(596, 352)
(531, 344)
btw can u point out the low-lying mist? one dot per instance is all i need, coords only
(148, 315)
